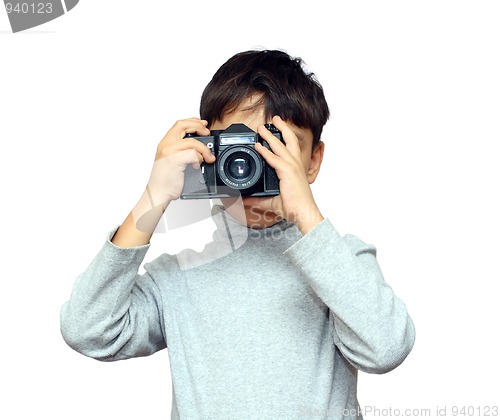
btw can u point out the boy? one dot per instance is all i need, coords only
(271, 320)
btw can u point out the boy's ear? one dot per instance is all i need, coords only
(315, 162)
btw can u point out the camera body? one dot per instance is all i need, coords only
(238, 169)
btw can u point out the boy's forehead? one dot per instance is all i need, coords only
(252, 116)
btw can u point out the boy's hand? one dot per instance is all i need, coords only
(295, 202)
(166, 181)
(173, 154)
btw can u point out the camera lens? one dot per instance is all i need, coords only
(239, 167)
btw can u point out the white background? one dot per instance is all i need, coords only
(411, 166)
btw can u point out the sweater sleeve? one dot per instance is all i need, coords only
(114, 313)
(371, 325)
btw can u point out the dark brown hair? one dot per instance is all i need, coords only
(287, 90)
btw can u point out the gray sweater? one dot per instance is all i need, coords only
(262, 324)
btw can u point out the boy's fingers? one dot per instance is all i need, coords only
(182, 158)
(191, 126)
(175, 139)
(270, 157)
(182, 127)
(291, 146)
(274, 143)
(204, 152)
(290, 138)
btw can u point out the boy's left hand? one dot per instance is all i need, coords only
(295, 201)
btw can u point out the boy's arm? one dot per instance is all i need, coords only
(139, 226)
(173, 154)
(371, 325)
(113, 312)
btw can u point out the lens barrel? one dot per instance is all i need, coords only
(240, 167)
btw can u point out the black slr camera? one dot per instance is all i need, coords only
(238, 170)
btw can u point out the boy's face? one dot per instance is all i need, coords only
(253, 216)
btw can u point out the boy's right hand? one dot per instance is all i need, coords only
(173, 154)
(166, 181)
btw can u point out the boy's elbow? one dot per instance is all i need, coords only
(85, 339)
(80, 341)
(385, 362)
(391, 353)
